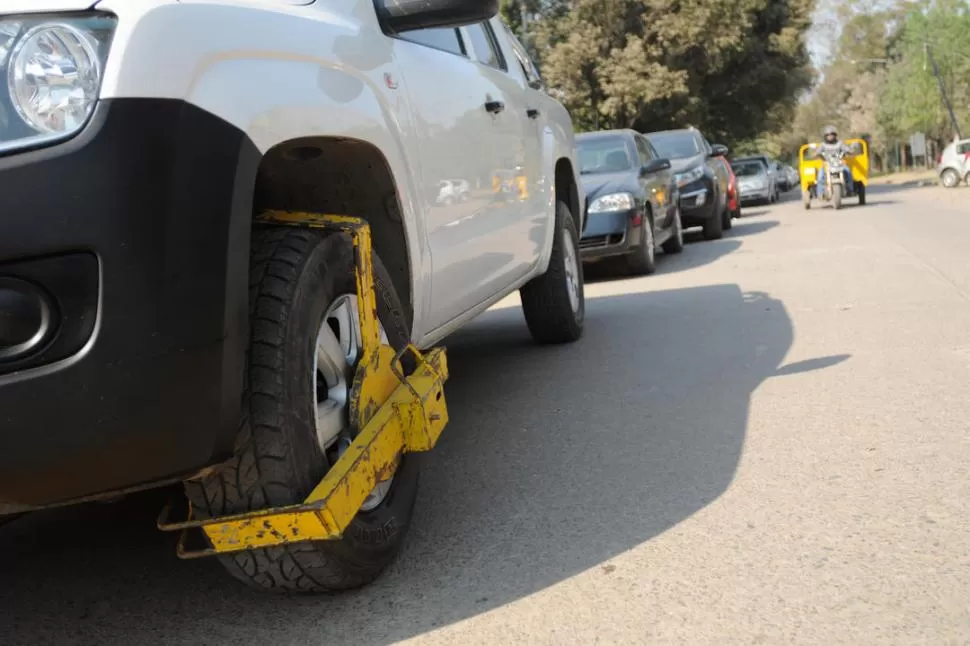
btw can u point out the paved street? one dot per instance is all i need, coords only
(766, 442)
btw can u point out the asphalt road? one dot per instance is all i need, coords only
(766, 442)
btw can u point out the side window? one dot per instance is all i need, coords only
(644, 151)
(486, 46)
(702, 145)
(528, 67)
(963, 148)
(447, 39)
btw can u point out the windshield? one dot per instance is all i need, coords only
(749, 169)
(675, 145)
(603, 155)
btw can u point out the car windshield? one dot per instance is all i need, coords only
(749, 169)
(675, 145)
(603, 155)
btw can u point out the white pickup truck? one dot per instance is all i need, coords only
(151, 332)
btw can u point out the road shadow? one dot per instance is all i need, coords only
(747, 228)
(556, 460)
(692, 257)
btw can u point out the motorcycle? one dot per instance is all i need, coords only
(833, 176)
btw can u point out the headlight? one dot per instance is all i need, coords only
(689, 176)
(613, 202)
(53, 69)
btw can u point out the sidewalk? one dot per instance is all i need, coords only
(921, 176)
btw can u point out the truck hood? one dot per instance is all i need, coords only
(44, 6)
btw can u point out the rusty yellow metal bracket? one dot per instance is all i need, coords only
(393, 414)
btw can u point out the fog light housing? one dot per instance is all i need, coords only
(26, 318)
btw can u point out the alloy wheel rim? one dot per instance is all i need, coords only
(572, 271)
(336, 353)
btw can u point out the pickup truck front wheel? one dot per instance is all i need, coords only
(305, 342)
(554, 303)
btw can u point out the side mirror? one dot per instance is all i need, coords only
(397, 16)
(655, 166)
(717, 150)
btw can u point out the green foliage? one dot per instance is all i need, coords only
(879, 81)
(725, 66)
(911, 101)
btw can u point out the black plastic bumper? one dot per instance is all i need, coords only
(609, 234)
(137, 233)
(692, 213)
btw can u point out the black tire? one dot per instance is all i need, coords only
(713, 228)
(643, 259)
(861, 190)
(807, 199)
(295, 275)
(545, 299)
(675, 244)
(726, 223)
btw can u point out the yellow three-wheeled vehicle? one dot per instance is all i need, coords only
(831, 180)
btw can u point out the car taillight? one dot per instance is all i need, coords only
(939, 159)
(636, 219)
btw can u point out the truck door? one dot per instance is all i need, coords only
(469, 134)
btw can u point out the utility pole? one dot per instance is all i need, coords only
(939, 80)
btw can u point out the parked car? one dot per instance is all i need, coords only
(702, 182)
(791, 177)
(451, 191)
(734, 201)
(163, 324)
(953, 165)
(755, 183)
(633, 199)
(774, 174)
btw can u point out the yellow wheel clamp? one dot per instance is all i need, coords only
(393, 413)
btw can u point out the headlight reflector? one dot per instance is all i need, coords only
(690, 175)
(612, 202)
(53, 78)
(53, 68)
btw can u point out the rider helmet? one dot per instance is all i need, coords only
(830, 134)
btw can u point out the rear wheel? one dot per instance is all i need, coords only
(726, 223)
(861, 190)
(713, 229)
(304, 348)
(950, 178)
(554, 303)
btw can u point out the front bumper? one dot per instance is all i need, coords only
(137, 230)
(698, 202)
(609, 234)
(754, 194)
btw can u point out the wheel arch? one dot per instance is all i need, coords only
(341, 176)
(568, 190)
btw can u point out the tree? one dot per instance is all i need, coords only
(911, 100)
(724, 66)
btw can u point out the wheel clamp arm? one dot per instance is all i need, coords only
(393, 414)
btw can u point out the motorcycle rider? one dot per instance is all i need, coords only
(833, 146)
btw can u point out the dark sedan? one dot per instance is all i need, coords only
(703, 184)
(633, 204)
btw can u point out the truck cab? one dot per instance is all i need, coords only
(154, 330)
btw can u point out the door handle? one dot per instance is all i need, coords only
(494, 106)
(532, 113)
